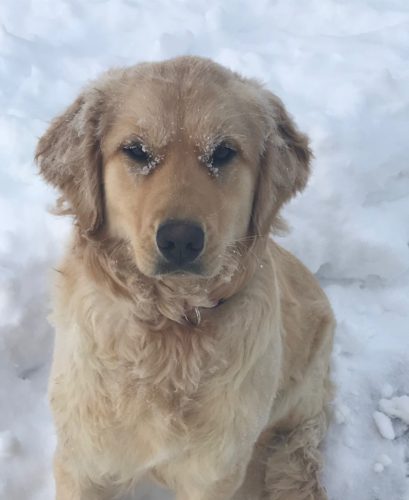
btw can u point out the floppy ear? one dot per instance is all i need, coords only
(69, 158)
(284, 166)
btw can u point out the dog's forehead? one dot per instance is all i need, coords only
(201, 105)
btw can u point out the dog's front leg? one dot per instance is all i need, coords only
(71, 485)
(223, 489)
(294, 463)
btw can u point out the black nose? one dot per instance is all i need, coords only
(180, 242)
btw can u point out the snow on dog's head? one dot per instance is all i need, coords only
(184, 160)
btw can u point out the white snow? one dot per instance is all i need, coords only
(386, 391)
(385, 460)
(342, 68)
(378, 467)
(8, 445)
(396, 407)
(384, 425)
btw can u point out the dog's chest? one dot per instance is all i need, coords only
(132, 401)
(143, 404)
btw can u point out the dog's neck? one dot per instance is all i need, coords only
(187, 301)
(214, 293)
(194, 316)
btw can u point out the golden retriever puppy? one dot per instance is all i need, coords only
(189, 348)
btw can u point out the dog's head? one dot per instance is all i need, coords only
(185, 160)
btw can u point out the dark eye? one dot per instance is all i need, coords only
(222, 155)
(137, 152)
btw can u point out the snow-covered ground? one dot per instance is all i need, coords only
(342, 68)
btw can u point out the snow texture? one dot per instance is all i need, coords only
(341, 67)
(143, 167)
(396, 407)
(384, 425)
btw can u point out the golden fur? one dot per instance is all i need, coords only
(233, 405)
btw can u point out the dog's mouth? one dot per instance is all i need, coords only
(177, 263)
(179, 270)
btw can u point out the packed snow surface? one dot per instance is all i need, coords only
(384, 425)
(342, 68)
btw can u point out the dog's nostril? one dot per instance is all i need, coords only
(166, 245)
(191, 246)
(180, 242)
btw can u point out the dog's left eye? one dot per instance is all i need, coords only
(138, 152)
(222, 155)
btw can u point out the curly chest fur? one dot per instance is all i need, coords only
(153, 399)
(138, 399)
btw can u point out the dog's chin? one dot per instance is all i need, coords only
(158, 268)
(191, 270)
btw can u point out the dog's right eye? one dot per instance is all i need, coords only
(137, 152)
(222, 155)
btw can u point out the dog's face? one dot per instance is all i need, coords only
(180, 171)
(184, 160)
